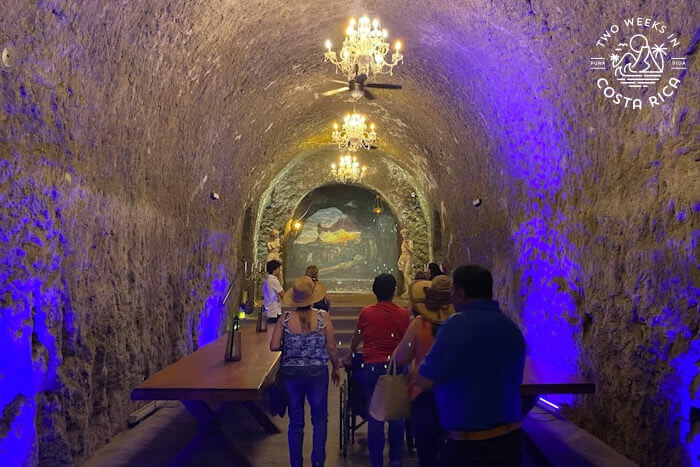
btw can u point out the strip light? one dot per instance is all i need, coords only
(549, 403)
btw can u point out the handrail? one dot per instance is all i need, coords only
(228, 292)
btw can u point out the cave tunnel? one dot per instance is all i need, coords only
(148, 148)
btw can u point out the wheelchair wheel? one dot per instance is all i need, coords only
(344, 426)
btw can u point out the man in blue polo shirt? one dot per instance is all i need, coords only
(476, 365)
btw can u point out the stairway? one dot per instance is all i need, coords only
(345, 309)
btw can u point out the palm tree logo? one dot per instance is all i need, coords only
(642, 65)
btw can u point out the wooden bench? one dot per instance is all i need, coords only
(203, 379)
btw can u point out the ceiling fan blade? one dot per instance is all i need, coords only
(335, 91)
(337, 81)
(361, 78)
(383, 86)
(369, 95)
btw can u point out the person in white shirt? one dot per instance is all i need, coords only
(273, 291)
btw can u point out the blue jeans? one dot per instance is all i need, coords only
(375, 429)
(311, 383)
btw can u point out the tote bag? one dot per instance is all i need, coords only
(391, 399)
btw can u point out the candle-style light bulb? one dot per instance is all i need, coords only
(397, 45)
(328, 44)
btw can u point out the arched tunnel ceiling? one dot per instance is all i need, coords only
(242, 79)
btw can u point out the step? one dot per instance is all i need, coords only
(341, 323)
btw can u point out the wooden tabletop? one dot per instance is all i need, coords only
(540, 378)
(205, 375)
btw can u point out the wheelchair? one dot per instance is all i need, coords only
(353, 403)
(354, 407)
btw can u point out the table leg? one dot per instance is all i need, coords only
(262, 416)
(200, 411)
(527, 403)
(210, 430)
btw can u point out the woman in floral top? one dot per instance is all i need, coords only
(306, 339)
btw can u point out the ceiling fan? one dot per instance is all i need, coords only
(357, 87)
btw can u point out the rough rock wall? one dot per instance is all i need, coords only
(114, 259)
(588, 218)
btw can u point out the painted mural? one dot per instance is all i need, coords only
(347, 242)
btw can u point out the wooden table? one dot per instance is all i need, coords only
(539, 379)
(203, 378)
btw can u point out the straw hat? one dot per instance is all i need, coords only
(432, 299)
(304, 292)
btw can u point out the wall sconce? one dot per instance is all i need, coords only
(377, 208)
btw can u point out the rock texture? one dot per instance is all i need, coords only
(119, 119)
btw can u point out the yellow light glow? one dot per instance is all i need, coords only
(335, 126)
(398, 45)
(375, 23)
(297, 225)
(328, 44)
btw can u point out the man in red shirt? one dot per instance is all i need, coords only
(380, 328)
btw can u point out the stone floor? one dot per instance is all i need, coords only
(168, 438)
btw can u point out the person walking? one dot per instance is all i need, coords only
(325, 302)
(476, 366)
(380, 328)
(431, 301)
(273, 291)
(307, 341)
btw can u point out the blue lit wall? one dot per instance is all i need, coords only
(591, 254)
(31, 294)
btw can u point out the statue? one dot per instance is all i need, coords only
(406, 261)
(273, 250)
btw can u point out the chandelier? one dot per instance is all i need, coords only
(348, 170)
(364, 50)
(354, 135)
